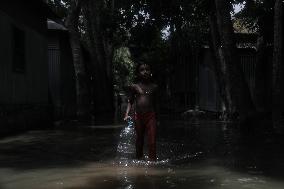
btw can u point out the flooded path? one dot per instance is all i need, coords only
(203, 155)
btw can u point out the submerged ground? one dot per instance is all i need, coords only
(191, 154)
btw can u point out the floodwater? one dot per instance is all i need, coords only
(193, 154)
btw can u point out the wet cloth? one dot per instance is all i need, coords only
(146, 122)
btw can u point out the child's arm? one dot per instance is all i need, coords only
(130, 101)
(129, 105)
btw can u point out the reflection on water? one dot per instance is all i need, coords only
(126, 143)
(199, 155)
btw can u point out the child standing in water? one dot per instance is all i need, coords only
(143, 99)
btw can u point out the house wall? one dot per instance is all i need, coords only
(54, 70)
(23, 95)
(30, 13)
(194, 81)
(209, 97)
(183, 80)
(68, 80)
(61, 74)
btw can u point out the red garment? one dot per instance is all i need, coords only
(146, 122)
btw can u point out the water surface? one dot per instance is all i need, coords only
(200, 154)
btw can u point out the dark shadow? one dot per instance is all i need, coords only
(55, 148)
(257, 152)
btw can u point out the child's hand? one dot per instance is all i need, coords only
(126, 117)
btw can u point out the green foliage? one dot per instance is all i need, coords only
(257, 16)
(59, 7)
(135, 29)
(123, 68)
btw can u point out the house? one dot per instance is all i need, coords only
(193, 83)
(24, 99)
(183, 84)
(62, 89)
(209, 97)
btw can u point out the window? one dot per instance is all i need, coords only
(19, 50)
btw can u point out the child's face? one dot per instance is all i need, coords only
(144, 71)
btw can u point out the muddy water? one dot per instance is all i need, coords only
(199, 155)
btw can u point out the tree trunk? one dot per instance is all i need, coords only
(237, 86)
(219, 64)
(277, 70)
(102, 53)
(261, 92)
(80, 72)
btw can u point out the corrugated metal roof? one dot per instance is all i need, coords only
(51, 25)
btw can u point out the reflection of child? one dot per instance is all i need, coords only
(143, 95)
